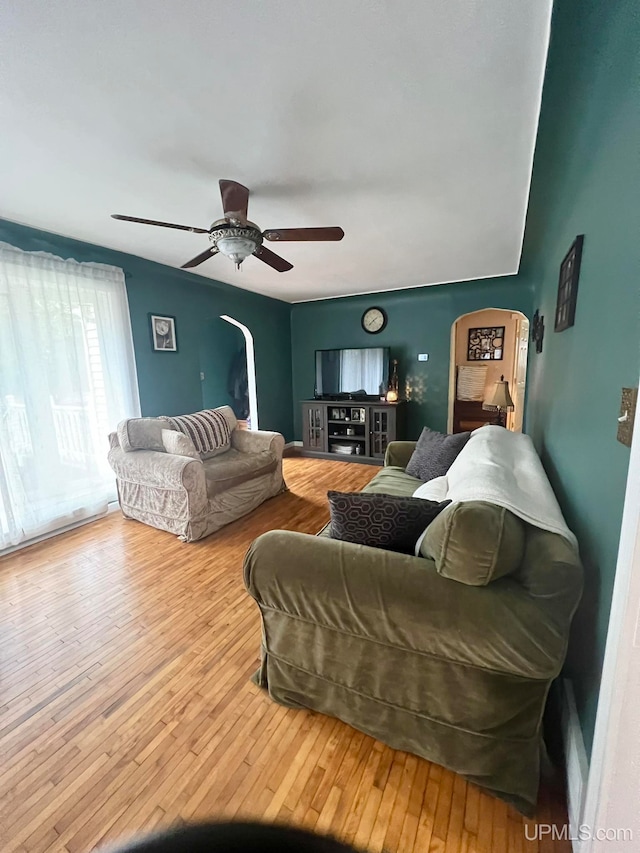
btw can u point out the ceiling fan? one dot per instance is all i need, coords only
(236, 237)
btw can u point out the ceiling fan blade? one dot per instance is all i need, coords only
(272, 259)
(235, 200)
(203, 256)
(303, 234)
(162, 224)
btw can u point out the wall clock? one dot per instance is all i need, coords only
(374, 320)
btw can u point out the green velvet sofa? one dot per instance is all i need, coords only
(456, 673)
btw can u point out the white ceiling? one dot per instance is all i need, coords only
(409, 123)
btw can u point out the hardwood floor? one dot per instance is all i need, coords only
(126, 703)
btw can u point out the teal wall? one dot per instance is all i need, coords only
(586, 180)
(218, 346)
(420, 320)
(170, 383)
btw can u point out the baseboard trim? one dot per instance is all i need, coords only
(576, 762)
(112, 506)
(292, 448)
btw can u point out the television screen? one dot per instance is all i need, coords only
(352, 372)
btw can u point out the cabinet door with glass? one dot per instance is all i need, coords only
(314, 427)
(382, 430)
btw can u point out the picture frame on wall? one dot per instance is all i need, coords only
(568, 286)
(486, 344)
(163, 333)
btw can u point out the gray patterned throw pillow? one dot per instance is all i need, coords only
(435, 454)
(208, 430)
(381, 521)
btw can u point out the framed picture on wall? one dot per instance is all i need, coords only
(163, 333)
(568, 286)
(486, 344)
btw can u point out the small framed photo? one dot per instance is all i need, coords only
(568, 286)
(163, 333)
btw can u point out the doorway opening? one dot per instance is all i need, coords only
(491, 357)
(252, 420)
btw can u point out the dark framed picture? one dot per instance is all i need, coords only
(537, 330)
(163, 333)
(486, 344)
(568, 286)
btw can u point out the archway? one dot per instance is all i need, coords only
(251, 369)
(512, 363)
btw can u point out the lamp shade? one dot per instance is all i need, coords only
(499, 397)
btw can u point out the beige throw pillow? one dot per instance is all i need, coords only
(178, 443)
(141, 434)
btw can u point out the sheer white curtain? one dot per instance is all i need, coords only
(361, 370)
(67, 376)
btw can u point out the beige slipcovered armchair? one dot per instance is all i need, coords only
(195, 494)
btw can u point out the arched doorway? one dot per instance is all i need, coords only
(512, 363)
(251, 370)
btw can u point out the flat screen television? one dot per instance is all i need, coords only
(352, 374)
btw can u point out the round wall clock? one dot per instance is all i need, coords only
(374, 320)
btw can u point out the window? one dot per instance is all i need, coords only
(67, 376)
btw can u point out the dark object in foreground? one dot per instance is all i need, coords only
(234, 838)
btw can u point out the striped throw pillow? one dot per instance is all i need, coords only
(471, 382)
(208, 430)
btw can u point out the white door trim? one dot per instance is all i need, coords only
(251, 369)
(611, 803)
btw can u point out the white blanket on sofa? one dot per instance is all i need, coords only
(503, 468)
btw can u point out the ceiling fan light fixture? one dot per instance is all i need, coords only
(236, 248)
(237, 238)
(237, 242)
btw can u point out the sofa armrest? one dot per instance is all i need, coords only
(256, 440)
(400, 600)
(158, 470)
(398, 453)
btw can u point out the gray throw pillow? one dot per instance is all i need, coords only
(435, 453)
(381, 521)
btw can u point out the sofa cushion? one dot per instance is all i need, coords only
(435, 453)
(179, 444)
(393, 481)
(379, 520)
(208, 430)
(141, 434)
(475, 542)
(229, 469)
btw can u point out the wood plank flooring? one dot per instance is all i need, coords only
(125, 703)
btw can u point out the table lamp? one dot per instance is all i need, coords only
(499, 400)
